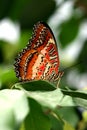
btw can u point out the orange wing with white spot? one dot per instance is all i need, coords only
(39, 60)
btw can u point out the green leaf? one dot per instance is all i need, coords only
(67, 113)
(67, 126)
(32, 7)
(8, 57)
(36, 120)
(80, 94)
(63, 123)
(81, 102)
(69, 31)
(6, 75)
(36, 85)
(13, 109)
(82, 57)
(50, 99)
(56, 124)
(7, 118)
(53, 98)
(79, 97)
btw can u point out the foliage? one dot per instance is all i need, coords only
(39, 105)
(33, 107)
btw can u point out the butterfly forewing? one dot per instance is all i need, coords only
(40, 59)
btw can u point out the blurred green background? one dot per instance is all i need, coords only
(68, 21)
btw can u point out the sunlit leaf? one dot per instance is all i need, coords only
(13, 109)
(67, 126)
(79, 93)
(54, 98)
(79, 97)
(50, 99)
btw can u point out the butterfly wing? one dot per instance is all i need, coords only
(40, 59)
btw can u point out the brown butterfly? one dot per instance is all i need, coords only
(39, 60)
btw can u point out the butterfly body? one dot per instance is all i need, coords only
(39, 60)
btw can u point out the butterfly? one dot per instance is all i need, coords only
(39, 60)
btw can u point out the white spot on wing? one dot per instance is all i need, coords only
(51, 41)
(53, 57)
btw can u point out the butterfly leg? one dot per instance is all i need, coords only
(59, 78)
